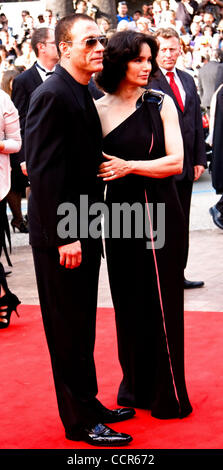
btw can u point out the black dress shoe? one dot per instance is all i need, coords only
(217, 217)
(101, 435)
(192, 284)
(114, 416)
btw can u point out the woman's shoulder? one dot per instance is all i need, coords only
(102, 104)
(4, 95)
(5, 100)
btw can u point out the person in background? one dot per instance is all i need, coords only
(123, 25)
(4, 63)
(146, 10)
(207, 78)
(7, 80)
(181, 87)
(81, 7)
(104, 25)
(217, 42)
(185, 12)
(10, 142)
(27, 57)
(123, 12)
(135, 17)
(144, 25)
(44, 49)
(169, 20)
(216, 141)
(49, 20)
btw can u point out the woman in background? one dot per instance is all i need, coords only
(10, 142)
(19, 182)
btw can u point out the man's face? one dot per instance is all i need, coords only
(122, 10)
(208, 18)
(84, 58)
(169, 52)
(50, 46)
(82, 7)
(47, 17)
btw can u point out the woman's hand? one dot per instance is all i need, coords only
(114, 168)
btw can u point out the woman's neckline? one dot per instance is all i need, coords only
(126, 119)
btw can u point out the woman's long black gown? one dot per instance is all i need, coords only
(146, 284)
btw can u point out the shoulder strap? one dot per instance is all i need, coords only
(152, 101)
(151, 96)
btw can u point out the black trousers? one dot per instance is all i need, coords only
(68, 300)
(184, 189)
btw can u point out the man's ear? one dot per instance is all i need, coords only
(64, 49)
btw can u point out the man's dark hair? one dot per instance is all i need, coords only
(64, 26)
(123, 47)
(39, 35)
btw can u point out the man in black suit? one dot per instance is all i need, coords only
(43, 44)
(208, 75)
(215, 140)
(63, 144)
(181, 87)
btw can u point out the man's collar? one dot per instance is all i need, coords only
(41, 66)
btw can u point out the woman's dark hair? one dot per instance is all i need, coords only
(123, 47)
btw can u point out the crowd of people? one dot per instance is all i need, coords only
(143, 137)
(199, 24)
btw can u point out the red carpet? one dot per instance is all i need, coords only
(28, 410)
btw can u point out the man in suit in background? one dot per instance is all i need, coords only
(43, 44)
(63, 145)
(207, 78)
(216, 141)
(181, 87)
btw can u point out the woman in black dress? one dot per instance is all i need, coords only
(143, 150)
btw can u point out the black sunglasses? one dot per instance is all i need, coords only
(91, 42)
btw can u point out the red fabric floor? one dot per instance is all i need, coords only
(28, 409)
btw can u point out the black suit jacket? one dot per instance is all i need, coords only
(22, 87)
(217, 160)
(63, 147)
(190, 122)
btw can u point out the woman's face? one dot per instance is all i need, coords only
(139, 69)
(104, 26)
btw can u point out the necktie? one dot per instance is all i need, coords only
(175, 89)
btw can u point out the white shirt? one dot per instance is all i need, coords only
(11, 138)
(177, 80)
